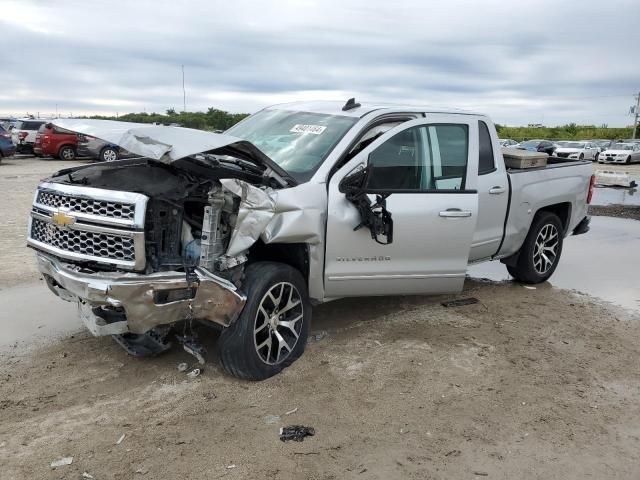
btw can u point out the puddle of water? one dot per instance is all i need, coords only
(32, 315)
(605, 263)
(615, 196)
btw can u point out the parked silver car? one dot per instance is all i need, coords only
(90, 146)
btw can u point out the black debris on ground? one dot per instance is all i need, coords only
(297, 433)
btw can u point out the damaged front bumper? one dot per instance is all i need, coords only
(112, 303)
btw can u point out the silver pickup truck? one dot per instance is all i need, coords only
(296, 205)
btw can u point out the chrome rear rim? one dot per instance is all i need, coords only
(278, 323)
(545, 250)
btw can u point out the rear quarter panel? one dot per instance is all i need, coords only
(532, 190)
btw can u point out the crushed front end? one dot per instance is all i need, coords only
(140, 245)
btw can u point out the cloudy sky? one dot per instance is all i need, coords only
(522, 62)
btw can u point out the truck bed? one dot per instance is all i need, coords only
(561, 182)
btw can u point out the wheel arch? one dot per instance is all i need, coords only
(561, 210)
(295, 255)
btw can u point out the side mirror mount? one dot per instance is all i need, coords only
(374, 216)
(355, 180)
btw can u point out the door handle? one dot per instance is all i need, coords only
(497, 190)
(455, 212)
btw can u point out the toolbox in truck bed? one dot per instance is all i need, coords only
(515, 158)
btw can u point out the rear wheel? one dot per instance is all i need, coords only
(271, 332)
(67, 153)
(540, 253)
(109, 154)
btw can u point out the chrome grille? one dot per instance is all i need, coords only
(89, 224)
(86, 205)
(91, 244)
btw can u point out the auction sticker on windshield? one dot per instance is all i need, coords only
(315, 129)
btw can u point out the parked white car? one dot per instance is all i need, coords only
(578, 151)
(621, 153)
(24, 133)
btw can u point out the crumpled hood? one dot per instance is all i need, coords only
(168, 144)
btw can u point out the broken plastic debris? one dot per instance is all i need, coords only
(297, 433)
(229, 467)
(292, 411)
(529, 287)
(86, 475)
(194, 373)
(62, 462)
(271, 419)
(317, 336)
(121, 439)
(183, 367)
(460, 302)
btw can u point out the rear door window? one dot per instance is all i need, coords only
(486, 159)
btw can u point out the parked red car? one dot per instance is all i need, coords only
(56, 142)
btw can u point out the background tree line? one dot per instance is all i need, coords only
(570, 131)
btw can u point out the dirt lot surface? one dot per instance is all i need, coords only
(527, 383)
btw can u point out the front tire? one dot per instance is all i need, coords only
(271, 332)
(108, 154)
(628, 161)
(540, 253)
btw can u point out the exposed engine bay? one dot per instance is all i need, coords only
(193, 222)
(191, 212)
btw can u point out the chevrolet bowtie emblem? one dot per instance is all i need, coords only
(61, 219)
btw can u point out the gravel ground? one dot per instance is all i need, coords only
(527, 383)
(620, 211)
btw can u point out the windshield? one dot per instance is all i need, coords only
(530, 143)
(622, 146)
(297, 141)
(573, 145)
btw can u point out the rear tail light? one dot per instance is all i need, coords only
(46, 137)
(592, 182)
(22, 135)
(5, 135)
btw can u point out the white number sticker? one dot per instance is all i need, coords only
(315, 129)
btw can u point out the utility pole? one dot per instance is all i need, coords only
(636, 113)
(184, 93)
